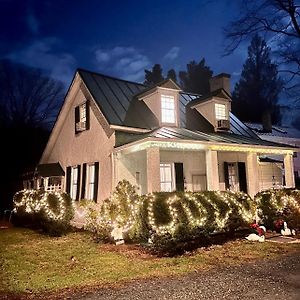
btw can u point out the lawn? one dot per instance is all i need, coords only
(32, 263)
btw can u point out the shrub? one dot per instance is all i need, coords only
(49, 211)
(172, 221)
(279, 204)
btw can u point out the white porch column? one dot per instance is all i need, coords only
(212, 170)
(153, 170)
(289, 171)
(252, 174)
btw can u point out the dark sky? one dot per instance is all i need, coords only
(119, 38)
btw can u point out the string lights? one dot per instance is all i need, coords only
(33, 201)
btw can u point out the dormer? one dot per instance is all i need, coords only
(163, 101)
(216, 106)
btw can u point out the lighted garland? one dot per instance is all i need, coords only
(228, 198)
(32, 202)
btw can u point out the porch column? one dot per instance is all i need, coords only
(252, 174)
(289, 171)
(153, 170)
(212, 170)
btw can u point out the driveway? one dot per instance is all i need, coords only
(278, 279)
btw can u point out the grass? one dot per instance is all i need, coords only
(33, 263)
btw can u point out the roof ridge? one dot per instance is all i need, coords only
(111, 77)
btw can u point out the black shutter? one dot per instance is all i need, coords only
(242, 177)
(226, 175)
(78, 182)
(87, 114)
(96, 180)
(77, 117)
(83, 181)
(68, 180)
(179, 177)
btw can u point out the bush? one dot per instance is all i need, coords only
(173, 222)
(274, 205)
(48, 211)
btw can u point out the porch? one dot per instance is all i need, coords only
(191, 166)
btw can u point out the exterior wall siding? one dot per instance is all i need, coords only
(88, 146)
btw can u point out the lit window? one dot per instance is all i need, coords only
(82, 112)
(220, 110)
(90, 181)
(166, 178)
(74, 182)
(167, 109)
(232, 177)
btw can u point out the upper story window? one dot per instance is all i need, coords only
(168, 109)
(81, 117)
(220, 111)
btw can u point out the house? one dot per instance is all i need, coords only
(280, 134)
(159, 138)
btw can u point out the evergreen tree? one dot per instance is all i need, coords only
(255, 96)
(172, 75)
(196, 78)
(154, 76)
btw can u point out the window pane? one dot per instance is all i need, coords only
(220, 110)
(167, 109)
(166, 177)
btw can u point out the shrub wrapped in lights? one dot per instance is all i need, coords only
(166, 219)
(279, 205)
(49, 211)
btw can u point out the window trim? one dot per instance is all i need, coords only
(72, 185)
(173, 181)
(219, 115)
(166, 110)
(90, 186)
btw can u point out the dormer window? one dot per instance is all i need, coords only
(220, 111)
(168, 109)
(81, 117)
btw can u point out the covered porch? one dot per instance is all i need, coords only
(160, 165)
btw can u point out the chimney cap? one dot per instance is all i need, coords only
(222, 75)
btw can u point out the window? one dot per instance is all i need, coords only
(81, 117)
(220, 110)
(232, 177)
(168, 109)
(90, 181)
(166, 177)
(74, 182)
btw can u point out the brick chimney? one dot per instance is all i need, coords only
(220, 81)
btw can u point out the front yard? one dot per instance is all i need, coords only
(31, 263)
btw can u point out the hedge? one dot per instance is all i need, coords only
(274, 205)
(166, 219)
(49, 211)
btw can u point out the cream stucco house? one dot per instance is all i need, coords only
(159, 138)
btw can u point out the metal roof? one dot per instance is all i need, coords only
(118, 102)
(48, 170)
(191, 135)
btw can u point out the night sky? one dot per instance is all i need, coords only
(118, 38)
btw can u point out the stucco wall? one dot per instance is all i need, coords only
(193, 163)
(153, 101)
(266, 173)
(128, 164)
(72, 149)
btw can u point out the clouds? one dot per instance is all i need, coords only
(125, 62)
(44, 54)
(172, 53)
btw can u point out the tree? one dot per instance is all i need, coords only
(28, 97)
(279, 22)
(256, 94)
(172, 75)
(196, 78)
(29, 102)
(154, 76)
